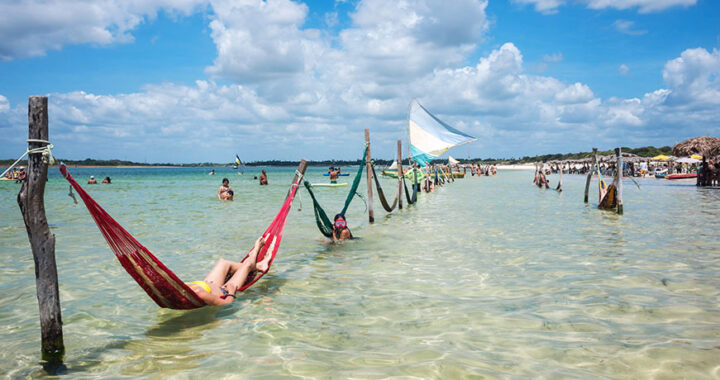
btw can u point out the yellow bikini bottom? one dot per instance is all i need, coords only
(201, 284)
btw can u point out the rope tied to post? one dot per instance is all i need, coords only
(46, 152)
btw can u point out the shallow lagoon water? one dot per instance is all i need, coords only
(486, 277)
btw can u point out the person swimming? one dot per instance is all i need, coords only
(225, 192)
(340, 229)
(226, 277)
(92, 180)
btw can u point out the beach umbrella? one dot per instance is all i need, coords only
(660, 157)
(698, 145)
(697, 157)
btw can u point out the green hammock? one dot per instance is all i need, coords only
(321, 219)
(381, 193)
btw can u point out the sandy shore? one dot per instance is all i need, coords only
(516, 167)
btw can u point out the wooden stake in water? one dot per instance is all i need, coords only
(400, 174)
(590, 173)
(42, 242)
(618, 179)
(368, 171)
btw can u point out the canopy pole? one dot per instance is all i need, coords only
(368, 172)
(590, 173)
(42, 242)
(618, 179)
(400, 173)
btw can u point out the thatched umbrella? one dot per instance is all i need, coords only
(699, 145)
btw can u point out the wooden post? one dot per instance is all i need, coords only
(618, 179)
(368, 171)
(400, 173)
(559, 186)
(301, 169)
(42, 242)
(590, 173)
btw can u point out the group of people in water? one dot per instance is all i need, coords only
(16, 174)
(226, 193)
(93, 181)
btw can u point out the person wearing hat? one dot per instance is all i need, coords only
(92, 180)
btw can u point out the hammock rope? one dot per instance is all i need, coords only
(321, 219)
(158, 281)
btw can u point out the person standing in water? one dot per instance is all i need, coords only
(219, 286)
(334, 176)
(225, 192)
(263, 178)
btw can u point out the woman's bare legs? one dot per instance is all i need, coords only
(264, 264)
(238, 278)
(218, 273)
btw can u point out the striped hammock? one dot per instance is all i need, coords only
(159, 282)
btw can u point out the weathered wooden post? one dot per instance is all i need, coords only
(590, 173)
(618, 179)
(559, 186)
(42, 242)
(368, 171)
(299, 173)
(400, 174)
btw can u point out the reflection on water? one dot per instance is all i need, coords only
(485, 277)
(168, 346)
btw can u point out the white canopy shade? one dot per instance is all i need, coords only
(687, 160)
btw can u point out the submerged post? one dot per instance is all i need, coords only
(400, 174)
(590, 173)
(618, 180)
(42, 242)
(368, 171)
(559, 186)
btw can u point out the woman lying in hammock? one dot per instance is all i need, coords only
(226, 277)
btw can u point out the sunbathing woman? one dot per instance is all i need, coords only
(226, 277)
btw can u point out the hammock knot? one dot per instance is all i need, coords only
(46, 152)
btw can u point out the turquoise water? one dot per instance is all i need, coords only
(486, 277)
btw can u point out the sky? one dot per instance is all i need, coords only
(202, 80)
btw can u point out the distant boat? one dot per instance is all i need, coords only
(681, 176)
(661, 175)
(408, 174)
(341, 174)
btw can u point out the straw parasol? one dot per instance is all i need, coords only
(699, 145)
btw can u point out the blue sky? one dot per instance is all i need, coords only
(197, 80)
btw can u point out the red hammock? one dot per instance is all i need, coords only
(159, 282)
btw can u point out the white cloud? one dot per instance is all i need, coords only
(623, 69)
(31, 27)
(544, 6)
(694, 78)
(626, 27)
(643, 6)
(555, 57)
(4, 104)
